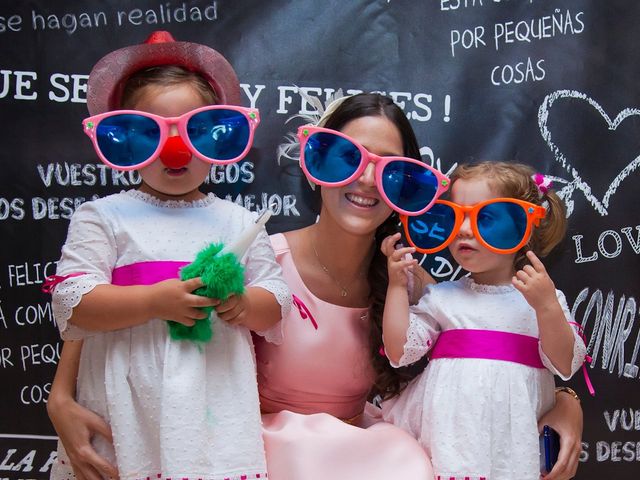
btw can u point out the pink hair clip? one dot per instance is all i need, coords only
(542, 182)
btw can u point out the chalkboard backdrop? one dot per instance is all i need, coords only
(554, 84)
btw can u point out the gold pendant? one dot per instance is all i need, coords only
(344, 293)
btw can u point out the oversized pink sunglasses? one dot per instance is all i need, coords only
(131, 139)
(332, 159)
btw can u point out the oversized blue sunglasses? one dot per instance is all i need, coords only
(131, 139)
(333, 159)
(502, 225)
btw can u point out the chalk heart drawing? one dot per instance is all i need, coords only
(600, 205)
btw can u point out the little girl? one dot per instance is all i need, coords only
(495, 338)
(177, 409)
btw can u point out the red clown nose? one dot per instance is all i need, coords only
(175, 153)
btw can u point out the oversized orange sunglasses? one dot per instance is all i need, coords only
(501, 225)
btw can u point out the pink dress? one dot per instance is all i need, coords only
(313, 391)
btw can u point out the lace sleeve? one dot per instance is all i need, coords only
(579, 348)
(262, 270)
(89, 255)
(422, 333)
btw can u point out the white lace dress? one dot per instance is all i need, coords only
(476, 418)
(177, 409)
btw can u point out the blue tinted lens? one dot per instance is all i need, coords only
(127, 139)
(331, 158)
(409, 186)
(432, 228)
(502, 225)
(219, 134)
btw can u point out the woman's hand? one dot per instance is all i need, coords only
(566, 419)
(76, 426)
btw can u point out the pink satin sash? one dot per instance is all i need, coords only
(489, 344)
(146, 273)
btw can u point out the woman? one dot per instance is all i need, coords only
(337, 274)
(314, 387)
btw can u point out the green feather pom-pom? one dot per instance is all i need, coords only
(222, 275)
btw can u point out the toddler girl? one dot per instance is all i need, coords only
(177, 409)
(495, 338)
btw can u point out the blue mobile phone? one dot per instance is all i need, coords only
(549, 448)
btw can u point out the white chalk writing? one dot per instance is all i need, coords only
(600, 205)
(612, 328)
(280, 204)
(610, 244)
(24, 274)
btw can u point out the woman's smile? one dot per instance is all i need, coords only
(361, 200)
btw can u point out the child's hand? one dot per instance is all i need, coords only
(398, 265)
(534, 283)
(173, 300)
(234, 309)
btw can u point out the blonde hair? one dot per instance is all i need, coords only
(515, 180)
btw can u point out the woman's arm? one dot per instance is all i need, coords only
(75, 424)
(566, 419)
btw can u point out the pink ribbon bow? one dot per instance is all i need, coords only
(587, 359)
(543, 183)
(304, 311)
(52, 281)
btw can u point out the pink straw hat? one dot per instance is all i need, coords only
(108, 76)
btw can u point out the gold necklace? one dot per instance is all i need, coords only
(343, 290)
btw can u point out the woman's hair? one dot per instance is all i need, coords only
(372, 105)
(165, 76)
(389, 381)
(516, 180)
